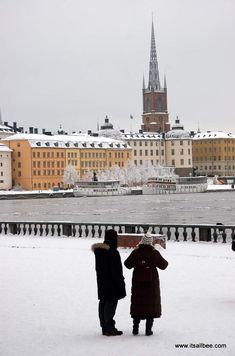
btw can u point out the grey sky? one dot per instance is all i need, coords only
(72, 62)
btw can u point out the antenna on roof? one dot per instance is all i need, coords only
(198, 127)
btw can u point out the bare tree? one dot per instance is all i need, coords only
(70, 175)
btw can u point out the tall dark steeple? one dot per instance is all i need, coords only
(154, 82)
(155, 114)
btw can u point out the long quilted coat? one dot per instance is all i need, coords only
(110, 280)
(145, 291)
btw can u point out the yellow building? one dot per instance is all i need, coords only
(214, 153)
(39, 161)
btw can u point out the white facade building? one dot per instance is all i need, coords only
(5, 168)
(179, 149)
(146, 148)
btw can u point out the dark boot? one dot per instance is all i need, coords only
(136, 323)
(149, 324)
(113, 332)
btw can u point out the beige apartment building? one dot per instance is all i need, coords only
(214, 153)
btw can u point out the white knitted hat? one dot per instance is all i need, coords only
(147, 239)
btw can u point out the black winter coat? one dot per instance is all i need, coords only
(145, 291)
(110, 280)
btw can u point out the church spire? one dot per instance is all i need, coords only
(154, 82)
(143, 83)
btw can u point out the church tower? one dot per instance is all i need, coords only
(155, 113)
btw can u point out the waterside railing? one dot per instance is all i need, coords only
(183, 232)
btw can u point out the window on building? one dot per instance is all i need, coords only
(18, 154)
(182, 162)
(146, 152)
(181, 143)
(173, 152)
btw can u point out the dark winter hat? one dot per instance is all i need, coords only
(110, 238)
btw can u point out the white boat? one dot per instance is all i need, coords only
(174, 184)
(99, 188)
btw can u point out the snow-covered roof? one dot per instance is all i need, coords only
(66, 141)
(213, 135)
(142, 136)
(178, 133)
(111, 133)
(4, 148)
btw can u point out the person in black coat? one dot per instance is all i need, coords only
(110, 281)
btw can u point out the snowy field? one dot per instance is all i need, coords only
(49, 303)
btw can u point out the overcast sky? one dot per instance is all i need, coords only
(71, 62)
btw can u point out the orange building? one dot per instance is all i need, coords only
(39, 161)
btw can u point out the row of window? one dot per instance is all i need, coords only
(219, 142)
(182, 162)
(49, 154)
(214, 149)
(215, 167)
(214, 158)
(44, 185)
(48, 172)
(44, 164)
(94, 164)
(157, 143)
(148, 153)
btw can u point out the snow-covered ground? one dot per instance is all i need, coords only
(49, 301)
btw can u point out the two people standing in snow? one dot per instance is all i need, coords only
(145, 291)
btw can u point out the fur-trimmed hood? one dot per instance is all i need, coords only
(99, 245)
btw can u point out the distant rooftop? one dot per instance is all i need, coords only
(212, 134)
(63, 141)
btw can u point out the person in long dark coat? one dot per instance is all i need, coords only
(110, 281)
(145, 291)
